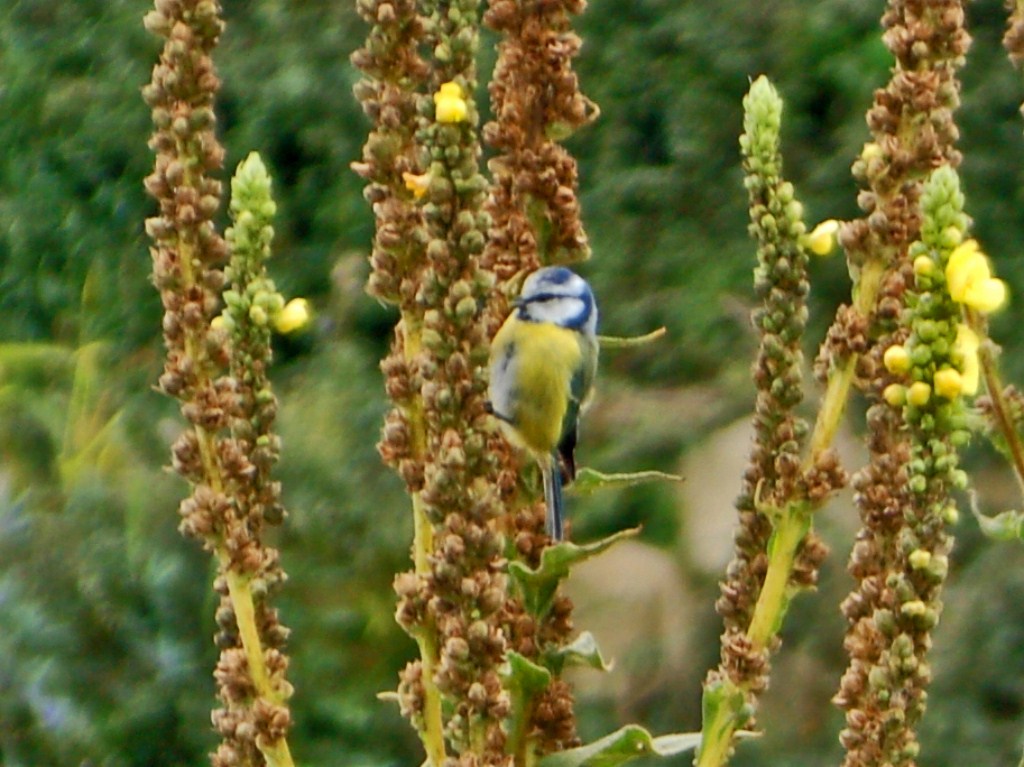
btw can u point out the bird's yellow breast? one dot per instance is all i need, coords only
(546, 357)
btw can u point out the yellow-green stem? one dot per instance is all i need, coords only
(789, 532)
(277, 752)
(837, 391)
(790, 528)
(830, 413)
(994, 384)
(717, 735)
(526, 747)
(432, 734)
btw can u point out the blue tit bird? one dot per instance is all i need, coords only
(542, 365)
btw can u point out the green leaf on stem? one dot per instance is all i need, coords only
(524, 680)
(582, 652)
(615, 342)
(621, 746)
(1005, 526)
(523, 676)
(589, 481)
(538, 586)
(723, 702)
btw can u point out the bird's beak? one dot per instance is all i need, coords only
(518, 303)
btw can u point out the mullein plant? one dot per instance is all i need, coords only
(777, 553)
(421, 164)
(217, 369)
(913, 134)
(912, 341)
(482, 600)
(1001, 406)
(535, 221)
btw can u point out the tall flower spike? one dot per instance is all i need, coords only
(251, 570)
(391, 157)
(780, 487)
(913, 133)
(422, 164)
(466, 593)
(536, 102)
(225, 509)
(535, 220)
(901, 556)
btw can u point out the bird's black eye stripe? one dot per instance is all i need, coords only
(541, 297)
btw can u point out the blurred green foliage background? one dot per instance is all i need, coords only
(106, 613)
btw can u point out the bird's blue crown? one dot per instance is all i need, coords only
(560, 296)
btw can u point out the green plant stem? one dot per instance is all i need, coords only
(830, 413)
(837, 390)
(789, 532)
(717, 734)
(994, 384)
(523, 752)
(432, 733)
(790, 528)
(276, 752)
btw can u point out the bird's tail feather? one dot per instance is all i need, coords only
(553, 497)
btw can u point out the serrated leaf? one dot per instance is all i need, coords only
(589, 481)
(538, 586)
(617, 342)
(582, 652)
(621, 746)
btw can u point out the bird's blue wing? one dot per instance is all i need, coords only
(580, 387)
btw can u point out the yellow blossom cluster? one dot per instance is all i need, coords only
(450, 104)
(970, 281)
(948, 382)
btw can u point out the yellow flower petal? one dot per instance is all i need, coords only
(418, 185)
(966, 264)
(450, 110)
(450, 89)
(450, 103)
(966, 347)
(948, 383)
(985, 295)
(294, 316)
(822, 240)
